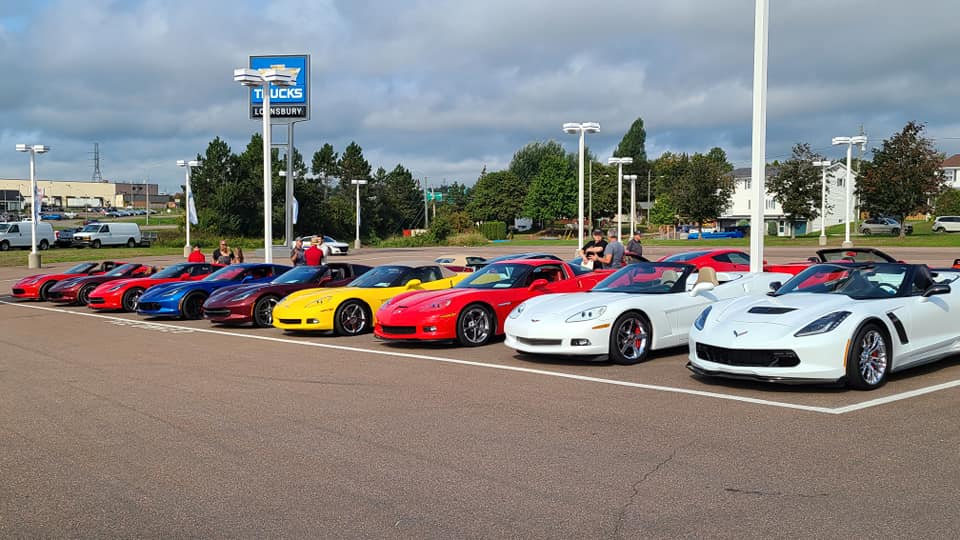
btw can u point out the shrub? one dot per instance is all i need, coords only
(494, 230)
(467, 239)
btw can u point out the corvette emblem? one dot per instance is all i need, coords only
(740, 333)
(534, 320)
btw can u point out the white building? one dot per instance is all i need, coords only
(741, 206)
(951, 171)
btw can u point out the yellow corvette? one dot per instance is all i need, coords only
(348, 311)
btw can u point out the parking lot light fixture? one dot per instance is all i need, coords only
(33, 259)
(620, 162)
(824, 165)
(581, 128)
(849, 141)
(265, 78)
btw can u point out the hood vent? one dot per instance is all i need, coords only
(771, 310)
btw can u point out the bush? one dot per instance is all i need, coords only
(494, 230)
(406, 241)
(467, 239)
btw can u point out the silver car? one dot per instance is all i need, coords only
(946, 224)
(881, 225)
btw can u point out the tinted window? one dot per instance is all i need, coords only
(14, 228)
(646, 278)
(497, 276)
(738, 258)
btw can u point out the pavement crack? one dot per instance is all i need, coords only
(636, 489)
(764, 493)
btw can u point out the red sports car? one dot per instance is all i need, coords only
(253, 302)
(36, 287)
(473, 311)
(77, 290)
(123, 294)
(721, 260)
(833, 255)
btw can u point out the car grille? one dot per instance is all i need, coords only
(535, 341)
(18, 291)
(399, 329)
(94, 300)
(290, 321)
(53, 294)
(215, 312)
(748, 357)
(148, 306)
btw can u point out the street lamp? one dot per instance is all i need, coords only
(823, 200)
(620, 162)
(264, 78)
(632, 178)
(356, 240)
(582, 127)
(33, 260)
(849, 141)
(191, 207)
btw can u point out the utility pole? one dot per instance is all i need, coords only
(146, 185)
(426, 207)
(591, 194)
(649, 207)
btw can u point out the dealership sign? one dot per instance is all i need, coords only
(287, 103)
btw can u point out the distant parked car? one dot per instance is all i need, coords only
(65, 236)
(883, 225)
(69, 215)
(946, 224)
(51, 216)
(336, 248)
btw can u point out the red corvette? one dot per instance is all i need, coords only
(833, 255)
(474, 310)
(36, 287)
(123, 294)
(721, 260)
(77, 290)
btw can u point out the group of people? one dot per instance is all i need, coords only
(222, 255)
(599, 253)
(315, 255)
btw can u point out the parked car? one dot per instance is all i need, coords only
(336, 247)
(18, 234)
(51, 216)
(124, 294)
(883, 225)
(70, 215)
(721, 260)
(77, 290)
(946, 224)
(834, 255)
(64, 237)
(37, 286)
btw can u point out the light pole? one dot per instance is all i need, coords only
(188, 195)
(620, 162)
(824, 165)
(264, 78)
(33, 260)
(633, 201)
(582, 127)
(849, 141)
(356, 240)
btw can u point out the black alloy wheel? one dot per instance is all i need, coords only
(630, 338)
(131, 298)
(263, 311)
(475, 326)
(352, 318)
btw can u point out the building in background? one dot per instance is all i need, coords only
(951, 171)
(69, 194)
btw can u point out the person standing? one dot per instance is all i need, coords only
(237, 256)
(196, 256)
(325, 249)
(313, 256)
(593, 250)
(296, 254)
(613, 252)
(223, 254)
(634, 251)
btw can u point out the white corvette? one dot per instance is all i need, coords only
(639, 308)
(832, 323)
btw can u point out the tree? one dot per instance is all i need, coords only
(324, 165)
(497, 196)
(904, 176)
(948, 203)
(797, 186)
(663, 212)
(633, 144)
(704, 190)
(553, 191)
(352, 166)
(527, 161)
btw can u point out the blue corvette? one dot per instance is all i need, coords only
(184, 299)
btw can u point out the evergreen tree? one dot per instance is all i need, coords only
(633, 144)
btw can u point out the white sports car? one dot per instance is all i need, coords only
(639, 308)
(832, 323)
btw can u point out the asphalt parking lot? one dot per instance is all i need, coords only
(111, 425)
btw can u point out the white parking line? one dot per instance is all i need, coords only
(532, 371)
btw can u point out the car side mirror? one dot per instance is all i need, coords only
(814, 260)
(701, 288)
(538, 283)
(414, 283)
(935, 289)
(774, 287)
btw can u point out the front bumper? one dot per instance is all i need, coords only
(416, 327)
(759, 378)
(556, 337)
(313, 320)
(105, 302)
(68, 296)
(159, 308)
(26, 291)
(232, 314)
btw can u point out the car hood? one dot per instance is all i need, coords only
(418, 299)
(788, 310)
(183, 287)
(81, 281)
(57, 277)
(321, 297)
(561, 306)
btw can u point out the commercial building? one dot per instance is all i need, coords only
(68, 194)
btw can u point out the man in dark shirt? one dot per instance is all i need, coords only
(634, 251)
(593, 250)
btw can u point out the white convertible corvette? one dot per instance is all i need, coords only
(639, 308)
(832, 323)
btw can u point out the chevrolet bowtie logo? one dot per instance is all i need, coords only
(293, 71)
(534, 320)
(740, 333)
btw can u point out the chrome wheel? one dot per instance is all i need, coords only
(352, 318)
(474, 326)
(873, 357)
(632, 339)
(131, 299)
(83, 295)
(263, 311)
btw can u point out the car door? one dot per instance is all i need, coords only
(16, 239)
(930, 323)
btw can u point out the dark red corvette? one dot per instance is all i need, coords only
(242, 304)
(77, 290)
(36, 287)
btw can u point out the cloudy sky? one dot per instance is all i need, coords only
(448, 87)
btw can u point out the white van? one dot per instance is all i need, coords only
(108, 234)
(17, 234)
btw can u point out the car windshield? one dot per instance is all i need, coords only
(81, 268)
(300, 274)
(173, 271)
(93, 227)
(857, 282)
(687, 256)
(646, 278)
(123, 270)
(4, 227)
(384, 276)
(227, 272)
(497, 276)
(849, 255)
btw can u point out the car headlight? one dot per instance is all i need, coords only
(30, 281)
(321, 300)
(823, 324)
(515, 314)
(587, 314)
(244, 295)
(169, 293)
(438, 305)
(702, 319)
(115, 288)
